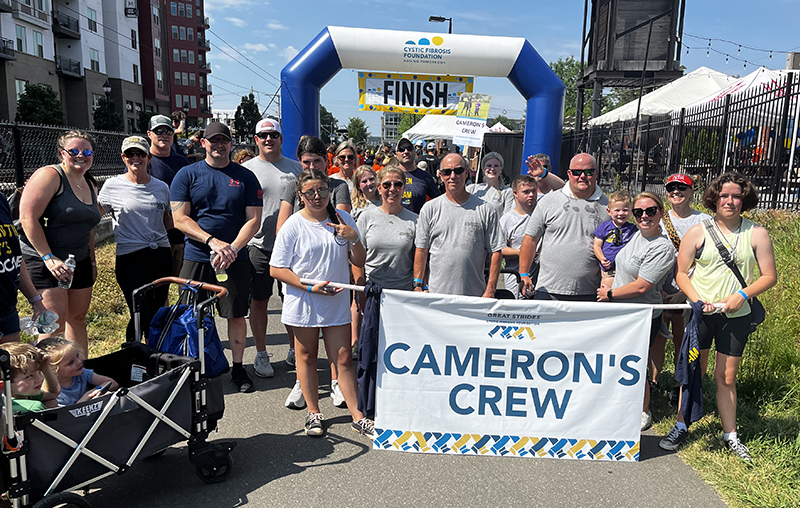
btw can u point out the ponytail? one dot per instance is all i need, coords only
(332, 213)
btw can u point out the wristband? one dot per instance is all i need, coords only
(47, 256)
(544, 174)
(610, 296)
(419, 280)
(208, 240)
(309, 288)
(235, 249)
(425, 287)
(37, 298)
(524, 275)
(744, 295)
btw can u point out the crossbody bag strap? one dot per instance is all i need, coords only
(673, 235)
(723, 251)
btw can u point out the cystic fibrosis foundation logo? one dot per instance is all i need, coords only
(425, 50)
(512, 332)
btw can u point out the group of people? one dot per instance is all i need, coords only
(278, 219)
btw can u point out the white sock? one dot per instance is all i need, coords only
(681, 425)
(730, 436)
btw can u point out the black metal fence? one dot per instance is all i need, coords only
(753, 132)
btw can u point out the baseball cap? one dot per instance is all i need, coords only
(431, 146)
(160, 120)
(420, 143)
(268, 125)
(135, 142)
(217, 129)
(680, 178)
(401, 141)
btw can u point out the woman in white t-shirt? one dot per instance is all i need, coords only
(316, 243)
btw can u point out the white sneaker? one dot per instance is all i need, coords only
(647, 420)
(261, 365)
(295, 400)
(336, 394)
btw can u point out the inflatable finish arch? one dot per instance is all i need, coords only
(337, 48)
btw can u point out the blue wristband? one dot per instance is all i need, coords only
(47, 256)
(235, 249)
(425, 287)
(744, 295)
(524, 275)
(544, 174)
(309, 288)
(419, 280)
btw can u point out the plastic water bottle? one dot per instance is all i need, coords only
(46, 323)
(70, 262)
(222, 275)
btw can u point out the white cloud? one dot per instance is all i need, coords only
(226, 5)
(255, 48)
(272, 46)
(237, 22)
(274, 25)
(288, 53)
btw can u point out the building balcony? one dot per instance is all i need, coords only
(68, 67)
(205, 110)
(65, 26)
(203, 43)
(6, 6)
(7, 50)
(205, 88)
(204, 67)
(203, 22)
(27, 12)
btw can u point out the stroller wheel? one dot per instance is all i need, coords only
(63, 500)
(216, 474)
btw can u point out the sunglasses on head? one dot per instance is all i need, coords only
(675, 185)
(347, 157)
(270, 134)
(322, 192)
(650, 211)
(135, 153)
(388, 185)
(447, 171)
(74, 152)
(162, 131)
(578, 172)
(405, 148)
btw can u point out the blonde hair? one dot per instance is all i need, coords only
(57, 348)
(359, 200)
(241, 154)
(649, 195)
(620, 196)
(64, 139)
(23, 357)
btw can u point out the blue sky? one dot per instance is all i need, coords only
(270, 32)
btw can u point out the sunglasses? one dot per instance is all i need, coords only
(322, 192)
(679, 186)
(162, 132)
(74, 152)
(405, 148)
(347, 157)
(578, 172)
(270, 134)
(135, 153)
(617, 237)
(650, 211)
(448, 171)
(389, 185)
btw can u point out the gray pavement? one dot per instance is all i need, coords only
(275, 464)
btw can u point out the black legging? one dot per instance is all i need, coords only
(136, 269)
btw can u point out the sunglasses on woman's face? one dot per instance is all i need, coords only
(672, 186)
(74, 152)
(388, 185)
(457, 170)
(135, 153)
(322, 192)
(650, 211)
(347, 157)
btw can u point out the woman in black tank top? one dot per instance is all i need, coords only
(59, 211)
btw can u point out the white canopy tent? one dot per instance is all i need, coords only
(760, 79)
(671, 97)
(498, 127)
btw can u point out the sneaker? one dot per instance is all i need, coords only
(336, 394)
(314, 424)
(242, 382)
(674, 439)
(295, 400)
(673, 396)
(737, 448)
(365, 427)
(261, 365)
(290, 361)
(647, 420)
(653, 386)
(663, 330)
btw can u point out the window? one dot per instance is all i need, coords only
(192, 79)
(159, 80)
(193, 101)
(131, 125)
(22, 40)
(41, 5)
(183, 33)
(197, 3)
(185, 100)
(157, 46)
(190, 34)
(38, 46)
(185, 79)
(178, 101)
(174, 31)
(183, 56)
(191, 56)
(177, 78)
(136, 74)
(91, 19)
(181, 10)
(173, 8)
(202, 102)
(94, 59)
(96, 100)
(148, 109)
(188, 10)
(21, 84)
(133, 38)
(155, 16)
(176, 55)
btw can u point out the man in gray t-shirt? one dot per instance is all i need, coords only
(561, 227)
(277, 175)
(459, 231)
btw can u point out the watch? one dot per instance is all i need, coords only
(418, 285)
(610, 296)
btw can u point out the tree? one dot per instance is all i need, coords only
(408, 120)
(503, 120)
(327, 124)
(143, 122)
(246, 117)
(39, 104)
(106, 118)
(357, 129)
(569, 71)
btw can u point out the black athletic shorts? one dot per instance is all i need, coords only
(262, 282)
(43, 279)
(729, 334)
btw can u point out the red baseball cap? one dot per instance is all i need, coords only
(680, 178)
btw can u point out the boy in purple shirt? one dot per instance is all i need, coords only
(611, 235)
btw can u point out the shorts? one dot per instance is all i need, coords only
(729, 334)
(262, 282)
(237, 303)
(9, 324)
(655, 325)
(544, 295)
(42, 278)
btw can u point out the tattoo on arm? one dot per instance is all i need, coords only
(176, 205)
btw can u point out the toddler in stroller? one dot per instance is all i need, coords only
(66, 357)
(34, 386)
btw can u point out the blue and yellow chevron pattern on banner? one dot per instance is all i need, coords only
(520, 446)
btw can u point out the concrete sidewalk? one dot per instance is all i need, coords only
(275, 464)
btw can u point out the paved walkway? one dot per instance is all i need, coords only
(277, 465)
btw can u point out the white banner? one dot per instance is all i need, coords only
(474, 376)
(420, 94)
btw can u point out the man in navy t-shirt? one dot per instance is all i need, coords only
(420, 186)
(217, 204)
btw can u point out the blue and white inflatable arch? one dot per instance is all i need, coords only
(337, 48)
